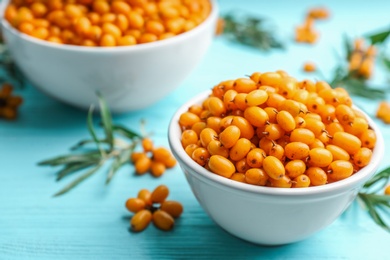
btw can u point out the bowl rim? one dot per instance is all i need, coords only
(134, 48)
(351, 182)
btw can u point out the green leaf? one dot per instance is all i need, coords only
(126, 132)
(84, 142)
(378, 37)
(72, 158)
(91, 128)
(373, 212)
(77, 181)
(73, 167)
(123, 158)
(106, 119)
(381, 177)
(348, 46)
(386, 62)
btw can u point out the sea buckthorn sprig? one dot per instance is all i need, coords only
(273, 130)
(306, 33)
(8, 102)
(153, 207)
(11, 72)
(249, 30)
(116, 148)
(105, 23)
(376, 203)
(354, 72)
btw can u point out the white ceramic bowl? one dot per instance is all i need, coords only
(266, 215)
(130, 78)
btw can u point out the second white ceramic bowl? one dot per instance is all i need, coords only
(265, 215)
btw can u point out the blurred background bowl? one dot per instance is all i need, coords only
(267, 215)
(130, 78)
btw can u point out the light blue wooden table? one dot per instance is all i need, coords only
(91, 222)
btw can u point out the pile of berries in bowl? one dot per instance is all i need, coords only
(272, 159)
(125, 49)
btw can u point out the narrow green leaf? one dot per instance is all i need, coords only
(106, 119)
(373, 213)
(77, 181)
(386, 62)
(348, 46)
(382, 176)
(123, 158)
(122, 130)
(378, 37)
(85, 142)
(72, 158)
(91, 128)
(73, 167)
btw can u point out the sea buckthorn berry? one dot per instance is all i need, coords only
(187, 137)
(344, 114)
(159, 194)
(221, 166)
(244, 85)
(278, 152)
(215, 147)
(242, 165)
(316, 126)
(339, 170)
(274, 100)
(301, 95)
(266, 144)
(283, 182)
(173, 208)
(163, 220)
(207, 135)
(300, 122)
(301, 181)
(327, 113)
(140, 220)
(317, 143)
(273, 131)
(190, 149)
(322, 85)
(368, 138)
(286, 121)
(287, 88)
(256, 97)
(334, 127)
(255, 157)
(216, 106)
(357, 127)
(362, 157)
(225, 122)
(135, 204)
(296, 150)
(146, 196)
(273, 167)
(302, 135)
(170, 162)
(142, 165)
(255, 76)
(137, 155)
(201, 156)
(272, 112)
(295, 168)
(272, 79)
(240, 101)
(246, 129)
(256, 176)
(387, 190)
(147, 144)
(314, 104)
(317, 176)
(198, 127)
(338, 152)
(320, 157)
(240, 149)
(346, 141)
(228, 99)
(161, 154)
(240, 177)
(230, 136)
(157, 168)
(291, 106)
